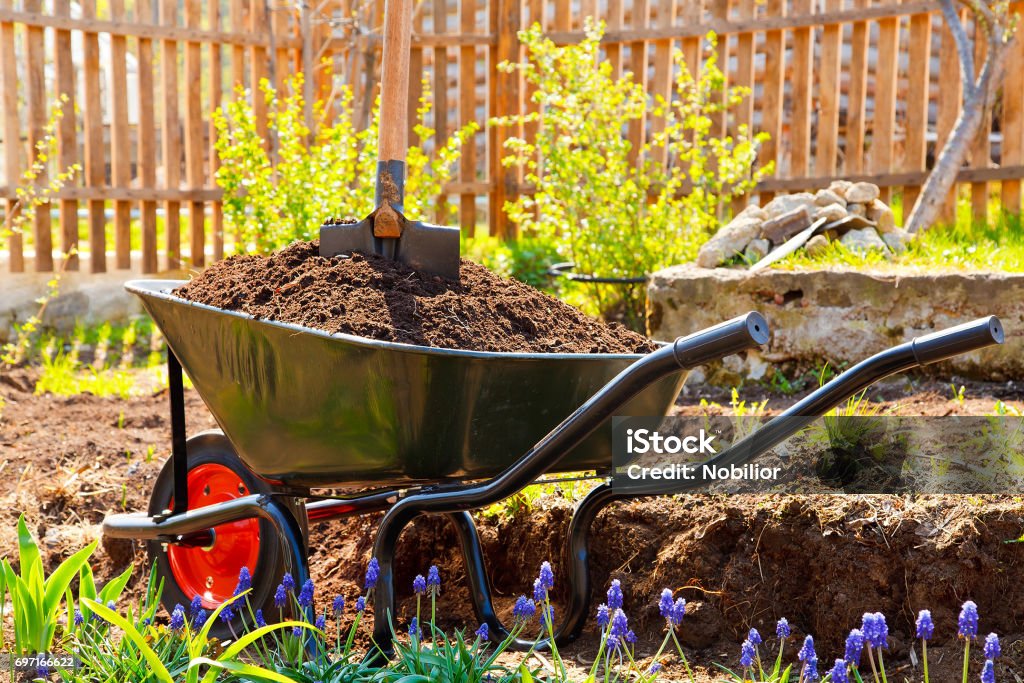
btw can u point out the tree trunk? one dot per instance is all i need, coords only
(978, 97)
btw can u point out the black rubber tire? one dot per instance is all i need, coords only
(271, 565)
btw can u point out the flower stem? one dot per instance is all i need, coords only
(871, 658)
(924, 658)
(967, 654)
(881, 666)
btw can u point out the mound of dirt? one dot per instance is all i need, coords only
(374, 297)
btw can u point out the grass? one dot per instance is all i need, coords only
(965, 246)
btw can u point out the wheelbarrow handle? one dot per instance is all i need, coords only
(724, 339)
(945, 344)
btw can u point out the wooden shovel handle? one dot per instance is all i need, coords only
(393, 136)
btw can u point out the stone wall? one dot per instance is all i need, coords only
(841, 316)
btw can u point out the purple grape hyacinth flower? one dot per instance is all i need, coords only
(244, 580)
(484, 632)
(419, 585)
(200, 619)
(288, 582)
(988, 674)
(807, 651)
(79, 619)
(194, 608)
(782, 629)
(372, 573)
(838, 673)
(967, 624)
(177, 618)
(854, 647)
(306, 595)
(654, 668)
(665, 603)
(603, 616)
(615, 595)
(754, 637)
(547, 576)
(678, 612)
(538, 591)
(414, 628)
(925, 625)
(547, 614)
(992, 647)
(747, 654)
(620, 623)
(811, 670)
(875, 629)
(338, 606)
(280, 596)
(630, 636)
(434, 579)
(361, 603)
(321, 622)
(260, 620)
(525, 609)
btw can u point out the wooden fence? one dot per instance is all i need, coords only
(846, 89)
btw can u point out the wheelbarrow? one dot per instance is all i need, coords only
(417, 431)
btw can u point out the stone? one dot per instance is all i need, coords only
(816, 246)
(827, 197)
(882, 215)
(840, 187)
(832, 212)
(863, 240)
(897, 240)
(857, 209)
(785, 203)
(780, 228)
(757, 250)
(753, 211)
(862, 193)
(850, 312)
(729, 241)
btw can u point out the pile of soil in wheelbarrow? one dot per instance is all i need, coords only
(374, 297)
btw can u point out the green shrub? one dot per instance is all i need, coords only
(273, 199)
(610, 215)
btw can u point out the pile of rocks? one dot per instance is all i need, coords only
(756, 231)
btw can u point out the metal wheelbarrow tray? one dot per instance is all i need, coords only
(422, 431)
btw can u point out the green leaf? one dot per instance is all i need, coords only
(131, 633)
(115, 587)
(236, 667)
(61, 578)
(252, 636)
(31, 563)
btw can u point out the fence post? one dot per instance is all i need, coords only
(147, 140)
(13, 149)
(68, 142)
(467, 114)
(441, 96)
(829, 78)
(194, 175)
(772, 99)
(37, 116)
(918, 82)
(216, 95)
(803, 62)
(171, 134)
(859, 44)
(1013, 119)
(883, 128)
(95, 159)
(505, 101)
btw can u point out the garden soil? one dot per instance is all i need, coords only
(374, 297)
(740, 562)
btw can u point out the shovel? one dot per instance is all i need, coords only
(386, 231)
(801, 238)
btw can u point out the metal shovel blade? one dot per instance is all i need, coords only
(421, 246)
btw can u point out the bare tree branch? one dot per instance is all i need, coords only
(964, 49)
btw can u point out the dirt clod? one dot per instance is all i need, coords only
(374, 297)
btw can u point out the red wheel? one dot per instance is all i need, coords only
(216, 475)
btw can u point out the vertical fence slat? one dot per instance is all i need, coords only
(504, 95)
(743, 76)
(120, 147)
(146, 140)
(638, 65)
(979, 152)
(13, 150)
(258, 66)
(216, 95)
(949, 106)
(661, 83)
(415, 75)
(171, 134)
(67, 139)
(720, 10)
(693, 13)
(194, 174)
(37, 117)
(918, 87)
(95, 157)
(883, 127)
(857, 98)
(441, 96)
(467, 114)
(829, 78)
(1012, 122)
(803, 63)
(279, 26)
(236, 15)
(773, 91)
(613, 52)
(563, 15)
